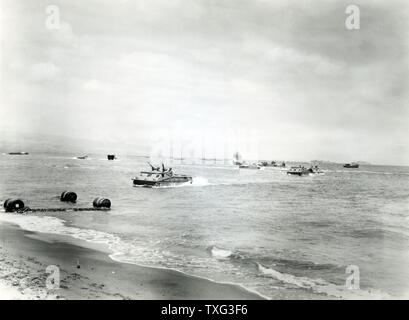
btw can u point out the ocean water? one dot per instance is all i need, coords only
(281, 236)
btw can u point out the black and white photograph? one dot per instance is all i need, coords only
(204, 150)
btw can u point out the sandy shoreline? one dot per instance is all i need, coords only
(25, 255)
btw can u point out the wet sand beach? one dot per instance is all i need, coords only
(88, 272)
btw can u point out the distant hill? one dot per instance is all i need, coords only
(363, 163)
(324, 161)
(332, 162)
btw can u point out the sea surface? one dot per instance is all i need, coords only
(281, 236)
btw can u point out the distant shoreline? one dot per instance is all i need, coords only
(55, 149)
(74, 154)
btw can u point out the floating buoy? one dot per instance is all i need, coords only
(111, 157)
(101, 203)
(68, 196)
(12, 205)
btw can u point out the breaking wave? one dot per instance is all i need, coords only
(220, 253)
(54, 225)
(321, 286)
(121, 252)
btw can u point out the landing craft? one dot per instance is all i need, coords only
(351, 165)
(301, 170)
(160, 177)
(21, 153)
(298, 171)
(272, 164)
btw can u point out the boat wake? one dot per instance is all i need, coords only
(196, 182)
(321, 173)
(200, 182)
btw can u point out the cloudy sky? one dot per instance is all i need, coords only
(275, 79)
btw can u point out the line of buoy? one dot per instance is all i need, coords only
(11, 205)
(101, 203)
(28, 209)
(68, 196)
(17, 205)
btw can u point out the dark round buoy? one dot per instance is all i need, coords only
(12, 205)
(68, 196)
(101, 203)
(111, 157)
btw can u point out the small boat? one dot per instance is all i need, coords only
(111, 157)
(272, 164)
(301, 170)
(351, 165)
(237, 159)
(21, 153)
(158, 177)
(298, 171)
(82, 157)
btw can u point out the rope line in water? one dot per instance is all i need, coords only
(28, 209)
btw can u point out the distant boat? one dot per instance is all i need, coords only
(300, 171)
(237, 159)
(21, 153)
(351, 165)
(83, 157)
(272, 164)
(111, 157)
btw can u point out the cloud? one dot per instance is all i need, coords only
(92, 84)
(63, 33)
(289, 69)
(43, 71)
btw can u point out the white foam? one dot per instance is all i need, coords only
(200, 181)
(54, 225)
(220, 253)
(196, 182)
(322, 286)
(8, 292)
(122, 252)
(314, 174)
